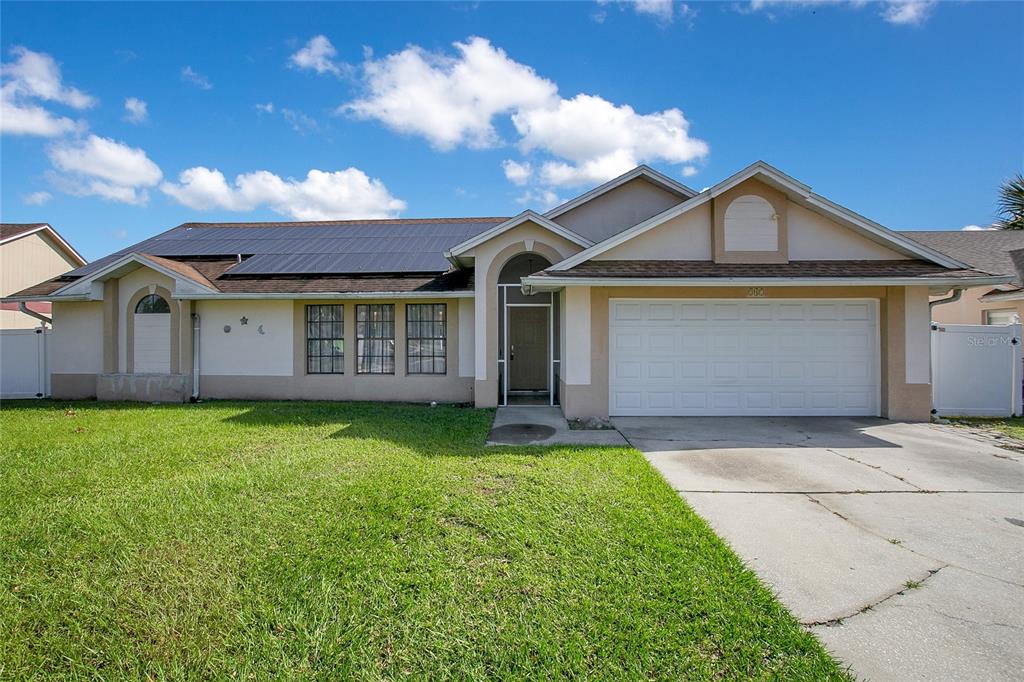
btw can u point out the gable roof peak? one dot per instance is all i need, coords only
(643, 170)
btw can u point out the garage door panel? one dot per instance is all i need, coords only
(687, 357)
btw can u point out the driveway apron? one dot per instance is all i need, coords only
(901, 546)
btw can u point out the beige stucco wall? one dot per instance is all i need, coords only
(489, 258)
(970, 309)
(901, 399)
(261, 347)
(698, 234)
(298, 385)
(77, 349)
(24, 262)
(685, 237)
(812, 236)
(617, 209)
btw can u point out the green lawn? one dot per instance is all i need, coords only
(332, 541)
(1011, 426)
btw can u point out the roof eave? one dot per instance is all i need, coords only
(525, 216)
(542, 283)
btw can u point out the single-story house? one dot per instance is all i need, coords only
(988, 250)
(29, 254)
(640, 297)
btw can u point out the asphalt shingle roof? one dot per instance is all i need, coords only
(987, 250)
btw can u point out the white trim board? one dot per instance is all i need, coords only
(552, 283)
(52, 233)
(524, 217)
(776, 178)
(654, 176)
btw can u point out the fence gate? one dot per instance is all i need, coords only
(24, 363)
(976, 370)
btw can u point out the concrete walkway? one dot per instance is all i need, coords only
(901, 546)
(517, 425)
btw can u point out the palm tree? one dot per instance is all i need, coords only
(1011, 204)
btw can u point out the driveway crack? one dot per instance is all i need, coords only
(912, 551)
(873, 466)
(903, 590)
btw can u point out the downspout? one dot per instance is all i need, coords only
(953, 298)
(195, 357)
(32, 313)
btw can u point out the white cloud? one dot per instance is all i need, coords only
(542, 199)
(31, 78)
(900, 12)
(135, 110)
(453, 100)
(977, 228)
(322, 195)
(300, 122)
(318, 55)
(267, 108)
(449, 100)
(517, 173)
(661, 10)
(100, 166)
(602, 140)
(664, 11)
(908, 12)
(37, 198)
(197, 79)
(689, 171)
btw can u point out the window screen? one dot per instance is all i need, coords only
(375, 338)
(426, 327)
(325, 339)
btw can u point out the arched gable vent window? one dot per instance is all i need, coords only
(152, 304)
(751, 224)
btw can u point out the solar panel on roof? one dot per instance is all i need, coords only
(341, 248)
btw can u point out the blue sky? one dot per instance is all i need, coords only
(906, 113)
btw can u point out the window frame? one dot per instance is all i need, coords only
(371, 335)
(150, 297)
(434, 324)
(987, 316)
(337, 359)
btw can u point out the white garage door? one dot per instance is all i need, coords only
(743, 357)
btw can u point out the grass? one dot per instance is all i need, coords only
(339, 541)
(1011, 426)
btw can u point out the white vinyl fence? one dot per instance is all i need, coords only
(24, 363)
(976, 370)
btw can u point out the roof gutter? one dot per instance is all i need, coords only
(534, 283)
(335, 295)
(957, 293)
(23, 307)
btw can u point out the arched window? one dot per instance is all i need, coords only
(152, 304)
(751, 224)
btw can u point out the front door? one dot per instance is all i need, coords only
(528, 340)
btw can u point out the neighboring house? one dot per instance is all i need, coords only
(988, 250)
(641, 297)
(30, 253)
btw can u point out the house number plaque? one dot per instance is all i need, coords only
(756, 292)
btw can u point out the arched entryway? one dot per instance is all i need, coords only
(527, 337)
(152, 335)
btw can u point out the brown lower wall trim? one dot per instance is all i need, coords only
(73, 386)
(416, 389)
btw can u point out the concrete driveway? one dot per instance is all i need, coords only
(901, 546)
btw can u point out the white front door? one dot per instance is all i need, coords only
(153, 343)
(743, 357)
